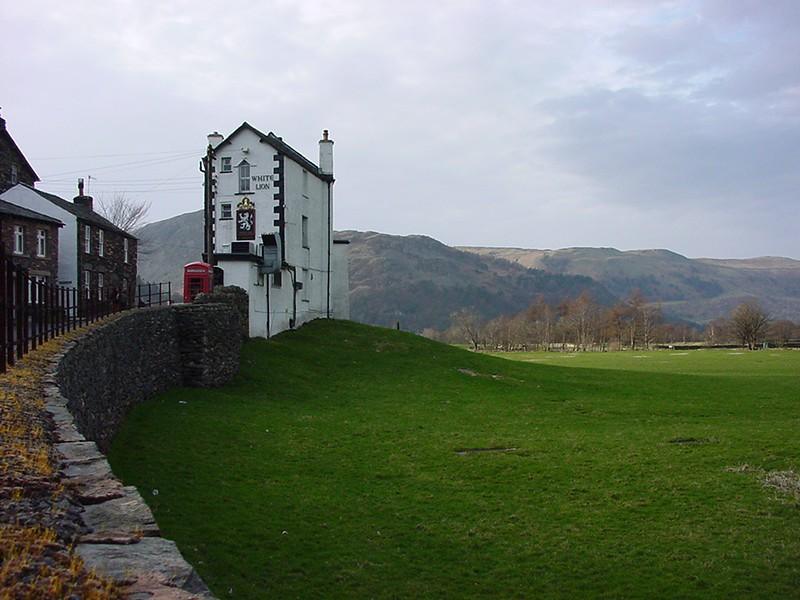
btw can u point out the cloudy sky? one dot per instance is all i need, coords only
(537, 124)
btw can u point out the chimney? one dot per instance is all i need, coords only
(80, 199)
(214, 139)
(326, 154)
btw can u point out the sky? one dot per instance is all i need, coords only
(629, 124)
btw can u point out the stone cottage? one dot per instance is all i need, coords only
(93, 253)
(30, 240)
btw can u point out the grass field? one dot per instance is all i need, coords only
(349, 461)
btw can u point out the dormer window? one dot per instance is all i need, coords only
(225, 164)
(244, 177)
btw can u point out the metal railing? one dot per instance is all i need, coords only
(33, 311)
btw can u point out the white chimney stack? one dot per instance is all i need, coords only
(326, 154)
(214, 139)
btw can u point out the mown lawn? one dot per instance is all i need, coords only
(334, 466)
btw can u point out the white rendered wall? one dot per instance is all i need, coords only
(67, 235)
(340, 282)
(304, 195)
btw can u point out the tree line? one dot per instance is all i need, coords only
(581, 324)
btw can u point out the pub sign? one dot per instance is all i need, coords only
(245, 220)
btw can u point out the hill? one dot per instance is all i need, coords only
(165, 246)
(692, 289)
(414, 279)
(421, 282)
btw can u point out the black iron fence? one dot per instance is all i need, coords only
(33, 310)
(153, 294)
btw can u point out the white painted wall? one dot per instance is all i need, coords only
(67, 235)
(305, 195)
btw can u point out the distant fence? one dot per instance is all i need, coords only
(153, 294)
(33, 311)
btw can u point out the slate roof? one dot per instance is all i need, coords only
(6, 208)
(81, 212)
(281, 146)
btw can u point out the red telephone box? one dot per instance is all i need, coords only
(198, 277)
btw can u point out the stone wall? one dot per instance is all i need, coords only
(233, 296)
(142, 353)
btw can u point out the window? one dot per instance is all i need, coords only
(101, 246)
(305, 285)
(14, 174)
(277, 279)
(226, 212)
(125, 250)
(19, 239)
(244, 176)
(304, 232)
(87, 283)
(225, 164)
(41, 243)
(87, 239)
(100, 285)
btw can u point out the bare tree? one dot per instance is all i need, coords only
(749, 323)
(126, 213)
(470, 325)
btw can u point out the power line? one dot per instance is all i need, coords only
(114, 155)
(138, 163)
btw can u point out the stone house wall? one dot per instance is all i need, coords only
(36, 265)
(117, 274)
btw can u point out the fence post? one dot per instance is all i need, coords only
(20, 312)
(3, 309)
(33, 317)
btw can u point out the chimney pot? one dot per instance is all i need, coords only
(326, 153)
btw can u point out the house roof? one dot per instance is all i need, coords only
(81, 212)
(281, 146)
(6, 208)
(15, 148)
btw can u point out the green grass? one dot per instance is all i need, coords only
(328, 468)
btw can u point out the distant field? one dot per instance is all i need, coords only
(691, 362)
(350, 461)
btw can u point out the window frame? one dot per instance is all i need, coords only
(87, 239)
(225, 164)
(243, 167)
(222, 211)
(125, 250)
(19, 239)
(304, 231)
(100, 284)
(87, 283)
(101, 243)
(41, 243)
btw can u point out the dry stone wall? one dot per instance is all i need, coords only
(91, 385)
(141, 354)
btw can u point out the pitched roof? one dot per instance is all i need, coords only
(81, 212)
(6, 208)
(15, 148)
(281, 146)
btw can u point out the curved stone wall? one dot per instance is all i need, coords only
(93, 382)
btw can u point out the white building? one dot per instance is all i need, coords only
(258, 189)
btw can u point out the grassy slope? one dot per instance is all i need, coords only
(327, 469)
